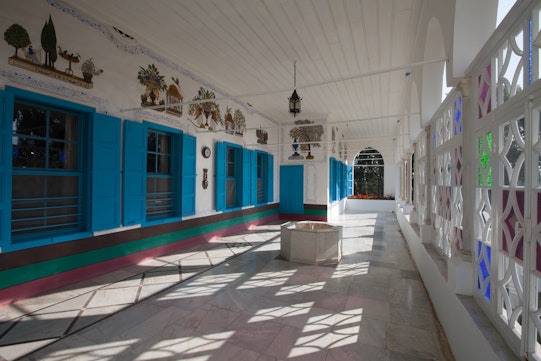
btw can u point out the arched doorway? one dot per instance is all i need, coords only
(368, 173)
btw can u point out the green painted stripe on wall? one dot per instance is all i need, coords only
(19, 275)
(316, 212)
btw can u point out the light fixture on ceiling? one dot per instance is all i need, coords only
(294, 100)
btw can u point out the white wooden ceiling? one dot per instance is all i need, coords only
(352, 55)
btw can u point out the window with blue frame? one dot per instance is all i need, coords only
(160, 200)
(159, 174)
(233, 177)
(243, 177)
(261, 178)
(47, 176)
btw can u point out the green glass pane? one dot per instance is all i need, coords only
(485, 148)
(484, 160)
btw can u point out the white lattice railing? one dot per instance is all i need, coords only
(446, 181)
(507, 224)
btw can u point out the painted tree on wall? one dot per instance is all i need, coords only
(17, 37)
(48, 43)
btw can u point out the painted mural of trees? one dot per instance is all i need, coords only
(48, 43)
(17, 37)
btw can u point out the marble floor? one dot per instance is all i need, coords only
(236, 299)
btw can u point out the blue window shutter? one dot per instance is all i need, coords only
(188, 174)
(253, 177)
(246, 175)
(341, 182)
(220, 176)
(105, 172)
(332, 190)
(270, 178)
(134, 185)
(350, 180)
(336, 180)
(344, 180)
(6, 117)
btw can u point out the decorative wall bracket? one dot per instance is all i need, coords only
(40, 69)
(308, 135)
(205, 178)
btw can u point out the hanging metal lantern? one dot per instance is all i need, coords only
(294, 103)
(294, 100)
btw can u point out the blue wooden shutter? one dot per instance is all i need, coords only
(246, 175)
(6, 117)
(342, 181)
(350, 180)
(105, 172)
(253, 177)
(220, 176)
(270, 178)
(135, 147)
(336, 180)
(332, 190)
(188, 174)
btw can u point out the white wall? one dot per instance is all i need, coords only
(118, 88)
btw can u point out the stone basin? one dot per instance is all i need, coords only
(311, 242)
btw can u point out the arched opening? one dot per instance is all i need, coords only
(432, 73)
(503, 8)
(445, 89)
(368, 173)
(415, 116)
(474, 22)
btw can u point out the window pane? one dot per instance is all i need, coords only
(44, 138)
(45, 204)
(151, 142)
(63, 126)
(63, 155)
(30, 120)
(260, 193)
(230, 162)
(159, 197)
(230, 199)
(259, 165)
(163, 164)
(28, 153)
(163, 143)
(151, 163)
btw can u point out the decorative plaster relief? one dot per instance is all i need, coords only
(29, 81)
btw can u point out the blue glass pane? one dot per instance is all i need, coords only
(530, 54)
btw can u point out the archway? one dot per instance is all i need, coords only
(432, 73)
(368, 173)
